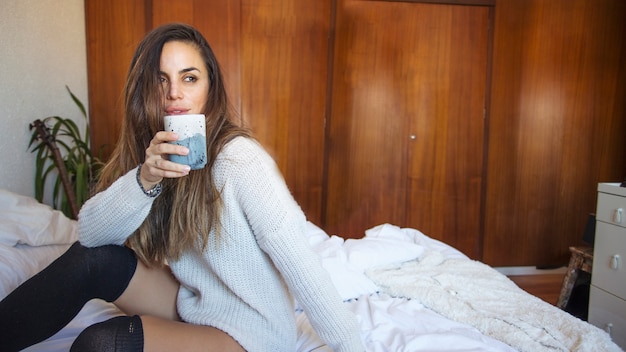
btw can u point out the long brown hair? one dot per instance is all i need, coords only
(187, 210)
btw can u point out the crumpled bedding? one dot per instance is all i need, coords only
(475, 294)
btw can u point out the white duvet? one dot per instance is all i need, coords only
(32, 235)
(471, 292)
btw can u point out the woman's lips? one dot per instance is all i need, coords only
(176, 111)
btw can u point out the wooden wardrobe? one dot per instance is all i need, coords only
(486, 124)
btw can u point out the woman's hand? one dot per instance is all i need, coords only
(156, 165)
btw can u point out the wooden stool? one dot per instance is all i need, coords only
(581, 259)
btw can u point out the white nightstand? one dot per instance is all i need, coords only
(607, 302)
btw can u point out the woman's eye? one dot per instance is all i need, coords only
(162, 79)
(190, 79)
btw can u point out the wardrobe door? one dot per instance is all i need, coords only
(113, 30)
(406, 132)
(557, 127)
(284, 69)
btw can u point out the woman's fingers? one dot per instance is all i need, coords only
(157, 165)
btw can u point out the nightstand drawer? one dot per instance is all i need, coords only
(609, 314)
(609, 256)
(611, 209)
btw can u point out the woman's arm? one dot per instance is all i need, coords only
(112, 215)
(279, 226)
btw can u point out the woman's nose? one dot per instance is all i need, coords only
(174, 92)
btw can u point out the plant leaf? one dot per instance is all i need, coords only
(81, 166)
(77, 102)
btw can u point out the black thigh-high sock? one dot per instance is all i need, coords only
(119, 334)
(48, 301)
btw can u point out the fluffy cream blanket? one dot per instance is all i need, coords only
(473, 293)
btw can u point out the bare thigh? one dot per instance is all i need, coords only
(166, 335)
(151, 291)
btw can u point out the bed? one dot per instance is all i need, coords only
(410, 292)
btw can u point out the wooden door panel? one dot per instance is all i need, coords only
(406, 130)
(557, 127)
(366, 153)
(114, 28)
(284, 68)
(446, 155)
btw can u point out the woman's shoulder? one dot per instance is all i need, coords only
(241, 147)
(242, 142)
(244, 160)
(243, 150)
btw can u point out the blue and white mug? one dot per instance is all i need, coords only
(191, 134)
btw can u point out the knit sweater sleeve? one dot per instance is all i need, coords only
(112, 215)
(279, 225)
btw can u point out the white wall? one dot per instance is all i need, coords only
(43, 50)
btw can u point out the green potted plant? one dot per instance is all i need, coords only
(63, 153)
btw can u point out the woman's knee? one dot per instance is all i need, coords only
(103, 271)
(112, 267)
(122, 333)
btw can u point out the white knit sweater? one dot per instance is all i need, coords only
(243, 287)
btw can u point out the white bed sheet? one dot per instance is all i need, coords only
(391, 324)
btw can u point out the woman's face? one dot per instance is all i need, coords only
(185, 79)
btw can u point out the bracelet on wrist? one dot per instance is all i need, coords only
(152, 192)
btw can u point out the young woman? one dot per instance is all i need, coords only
(231, 233)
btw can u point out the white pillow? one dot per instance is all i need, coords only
(18, 263)
(349, 281)
(382, 245)
(314, 234)
(23, 220)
